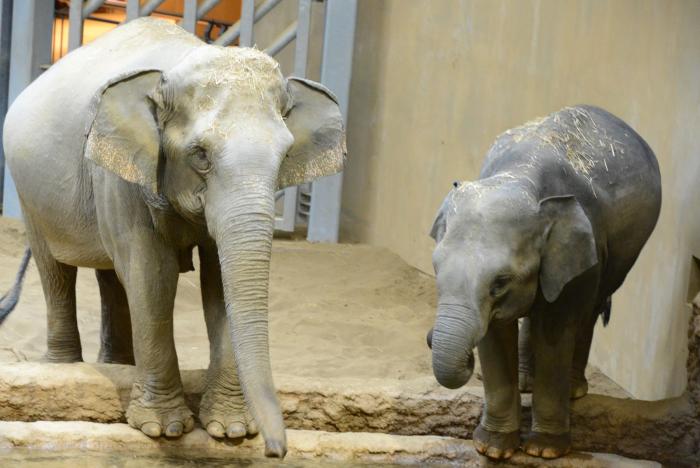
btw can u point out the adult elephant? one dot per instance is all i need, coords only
(127, 154)
(558, 217)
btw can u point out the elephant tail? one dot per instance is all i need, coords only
(11, 298)
(605, 311)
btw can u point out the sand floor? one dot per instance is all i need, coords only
(335, 310)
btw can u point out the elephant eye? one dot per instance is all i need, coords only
(500, 285)
(200, 161)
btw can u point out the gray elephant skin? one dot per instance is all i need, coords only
(130, 152)
(561, 210)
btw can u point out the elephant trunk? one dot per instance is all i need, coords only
(242, 225)
(457, 330)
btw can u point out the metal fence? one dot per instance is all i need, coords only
(29, 54)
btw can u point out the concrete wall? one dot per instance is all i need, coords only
(434, 82)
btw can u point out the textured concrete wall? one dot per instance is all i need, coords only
(435, 82)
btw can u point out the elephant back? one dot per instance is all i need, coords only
(62, 101)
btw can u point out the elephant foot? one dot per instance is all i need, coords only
(525, 381)
(55, 357)
(496, 445)
(157, 414)
(579, 388)
(108, 357)
(223, 413)
(540, 444)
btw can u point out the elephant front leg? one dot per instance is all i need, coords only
(498, 434)
(553, 355)
(223, 411)
(149, 270)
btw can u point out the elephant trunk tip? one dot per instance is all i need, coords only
(448, 378)
(275, 448)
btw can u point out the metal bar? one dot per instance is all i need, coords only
(247, 22)
(5, 41)
(75, 25)
(291, 194)
(301, 51)
(336, 70)
(133, 8)
(206, 7)
(234, 31)
(90, 7)
(189, 16)
(150, 7)
(285, 37)
(32, 29)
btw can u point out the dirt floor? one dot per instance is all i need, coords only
(336, 310)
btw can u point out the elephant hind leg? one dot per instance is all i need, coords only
(116, 344)
(58, 283)
(526, 365)
(584, 338)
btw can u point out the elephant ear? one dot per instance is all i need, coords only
(569, 248)
(124, 137)
(316, 123)
(437, 232)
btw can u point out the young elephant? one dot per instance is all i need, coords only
(558, 217)
(127, 154)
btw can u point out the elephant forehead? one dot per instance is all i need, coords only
(212, 70)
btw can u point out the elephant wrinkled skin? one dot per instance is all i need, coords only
(561, 210)
(127, 154)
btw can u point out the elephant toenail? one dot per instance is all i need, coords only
(493, 452)
(216, 429)
(174, 429)
(235, 430)
(151, 429)
(252, 427)
(189, 424)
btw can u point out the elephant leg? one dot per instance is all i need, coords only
(498, 434)
(223, 410)
(58, 283)
(148, 268)
(526, 365)
(584, 338)
(553, 348)
(115, 339)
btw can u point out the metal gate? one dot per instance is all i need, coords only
(29, 53)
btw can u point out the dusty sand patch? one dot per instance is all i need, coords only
(336, 310)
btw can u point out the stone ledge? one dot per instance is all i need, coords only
(666, 431)
(57, 437)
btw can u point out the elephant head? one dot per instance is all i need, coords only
(496, 246)
(214, 138)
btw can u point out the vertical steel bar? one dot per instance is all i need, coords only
(75, 25)
(247, 22)
(32, 29)
(301, 51)
(5, 37)
(189, 16)
(133, 9)
(301, 54)
(336, 71)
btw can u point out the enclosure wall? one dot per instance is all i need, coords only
(435, 82)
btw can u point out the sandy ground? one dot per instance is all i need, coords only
(335, 311)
